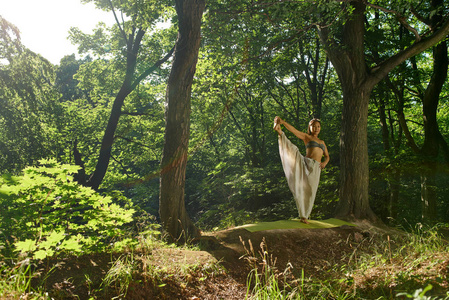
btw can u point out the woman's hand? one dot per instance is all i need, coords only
(277, 120)
(277, 125)
(322, 165)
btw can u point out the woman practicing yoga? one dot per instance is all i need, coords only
(303, 173)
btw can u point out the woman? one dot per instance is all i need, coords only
(303, 173)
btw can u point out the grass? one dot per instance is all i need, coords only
(15, 281)
(120, 275)
(391, 268)
(265, 281)
(415, 267)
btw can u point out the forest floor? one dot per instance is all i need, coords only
(218, 267)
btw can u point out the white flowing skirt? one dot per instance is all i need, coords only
(303, 175)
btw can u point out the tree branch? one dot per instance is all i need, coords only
(400, 18)
(379, 72)
(151, 69)
(117, 21)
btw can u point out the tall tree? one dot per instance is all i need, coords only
(433, 140)
(434, 143)
(345, 48)
(177, 131)
(131, 35)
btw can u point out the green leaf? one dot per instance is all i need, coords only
(72, 244)
(52, 240)
(26, 246)
(41, 254)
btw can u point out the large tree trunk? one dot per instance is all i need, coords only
(349, 62)
(354, 182)
(357, 79)
(172, 209)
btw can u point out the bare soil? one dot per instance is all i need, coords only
(310, 250)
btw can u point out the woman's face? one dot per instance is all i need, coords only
(315, 128)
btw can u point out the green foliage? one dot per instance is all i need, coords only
(45, 212)
(251, 194)
(27, 103)
(256, 61)
(419, 294)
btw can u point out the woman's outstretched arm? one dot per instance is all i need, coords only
(301, 135)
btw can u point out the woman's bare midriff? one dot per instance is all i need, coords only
(314, 153)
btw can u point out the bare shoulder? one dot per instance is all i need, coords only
(309, 138)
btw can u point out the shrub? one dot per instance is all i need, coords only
(45, 211)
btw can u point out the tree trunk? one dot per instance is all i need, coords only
(433, 138)
(133, 45)
(354, 182)
(172, 209)
(432, 135)
(130, 82)
(108, 138)
(357, 79)
(349, 62)
(431, 100)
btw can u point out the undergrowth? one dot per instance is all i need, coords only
(414, 266)
(140, 262)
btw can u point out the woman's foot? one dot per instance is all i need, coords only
(278, 129)
(277, 125)
(304, 220)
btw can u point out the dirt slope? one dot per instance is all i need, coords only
(311, 250)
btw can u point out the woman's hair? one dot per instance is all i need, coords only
(311, 122)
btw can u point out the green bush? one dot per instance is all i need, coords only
(45, 211)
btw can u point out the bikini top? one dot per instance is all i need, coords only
(313, 144)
